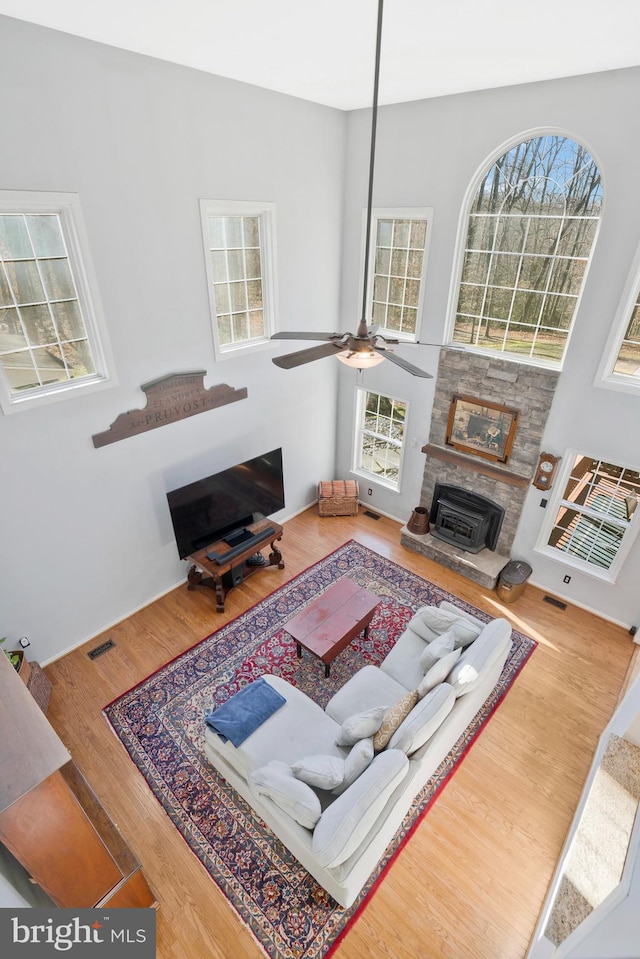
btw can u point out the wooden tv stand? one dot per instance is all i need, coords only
(224, 575)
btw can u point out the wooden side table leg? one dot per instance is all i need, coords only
(275, 556)
(299, 650)
(327, 670)
(220, 594)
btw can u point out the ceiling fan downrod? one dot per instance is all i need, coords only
(366, 348)
(362, 326)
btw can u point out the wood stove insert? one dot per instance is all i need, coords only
(465, 519)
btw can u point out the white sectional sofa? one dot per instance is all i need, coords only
(314, 776)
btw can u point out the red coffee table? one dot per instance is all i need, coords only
(329, 623)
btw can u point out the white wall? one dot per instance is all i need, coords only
(86, 536)
(427, 154)
(85, 533)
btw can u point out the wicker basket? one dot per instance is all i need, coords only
(338, 498)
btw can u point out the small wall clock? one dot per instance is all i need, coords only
(545, 471)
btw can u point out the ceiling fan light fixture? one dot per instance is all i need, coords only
(362, 360)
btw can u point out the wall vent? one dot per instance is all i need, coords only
(102, 648)
(555, 602)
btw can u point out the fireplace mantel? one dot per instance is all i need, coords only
(476, 463)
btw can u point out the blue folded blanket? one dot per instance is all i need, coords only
(245, 711)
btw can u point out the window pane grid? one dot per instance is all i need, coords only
(40, 344)
(521, 313)
(525, 234)
(398, 265)
(590, 540)
(595, 512)
(628, 360)
(381, 436)
(234, 247)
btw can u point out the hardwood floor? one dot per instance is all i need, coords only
(470, 883)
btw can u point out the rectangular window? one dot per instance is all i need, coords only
(49, 339)
(397, 269)
(380, 437)
(595, 517)
(239, 246)
(628, 359)
(620, 366)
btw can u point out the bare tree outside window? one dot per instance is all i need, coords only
(628, 360)
(531, 231)
(380, 438)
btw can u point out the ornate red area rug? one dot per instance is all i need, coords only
(160, 723)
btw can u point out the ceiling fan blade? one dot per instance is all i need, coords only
(404, 364)
(291, 360)
(303, 335)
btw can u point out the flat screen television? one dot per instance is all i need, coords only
(224, 503)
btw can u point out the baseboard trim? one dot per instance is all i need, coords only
(148, 602)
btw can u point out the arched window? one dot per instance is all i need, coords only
(531, 230)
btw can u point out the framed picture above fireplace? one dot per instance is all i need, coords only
(481, 428)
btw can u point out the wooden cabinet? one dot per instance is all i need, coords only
(50, 819)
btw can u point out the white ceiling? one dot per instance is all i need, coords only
(324, 51)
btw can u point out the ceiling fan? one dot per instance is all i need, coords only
(366, 347)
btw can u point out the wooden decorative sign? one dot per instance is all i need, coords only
(169, 399)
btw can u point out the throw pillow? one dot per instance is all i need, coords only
(437, 649)
(465, 632)
(360, 726)
(355, 763)
(392, 719)
(296, 798)
(438, 621)
(323, 772)
(439, 672)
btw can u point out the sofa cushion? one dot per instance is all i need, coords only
(439, 620)
(370, 686)
(245, 711)
(437, 649)
(423, 720)
(277, 782)
(360, 726)
(480, 656)
(279, 737)
(357, 760)
(344, 824)
(392, 719)
(322, 771)
(439, 671)
(402, 663)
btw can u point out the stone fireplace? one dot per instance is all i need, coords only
(477, 481)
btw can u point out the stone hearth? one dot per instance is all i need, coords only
(483, 567)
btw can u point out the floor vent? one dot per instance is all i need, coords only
(555, 602)
(371, 515)
(102, 648)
